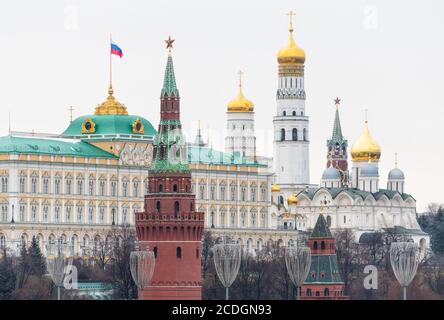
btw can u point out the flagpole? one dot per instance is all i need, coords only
(110, 61)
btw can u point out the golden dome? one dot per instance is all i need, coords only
(291, 54)
(292, 200)
(275, 188)
(110, 105)
(240, 104)
(365, 148)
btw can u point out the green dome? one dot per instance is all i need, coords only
(109, 125)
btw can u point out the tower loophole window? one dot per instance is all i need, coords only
(155, 252)
(178, 252)
(176, 209)
(175, 188)
(158, 206)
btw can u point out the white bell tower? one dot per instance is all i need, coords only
(291, 123)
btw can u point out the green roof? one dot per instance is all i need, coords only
(355, 193)
(62, 147)
(324, 269)
(109, 125)
(169, 81)
(321, 229)
(208, 155)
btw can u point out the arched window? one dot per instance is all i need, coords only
(315, 245)
(176, 209)
(329, 221)
(284, 113)
(308, 292)
(293, 113)
(326, 292)
(155, 252)
(322, 245)
(179, 252)
(160, 188)
(282, 134)
(158, 206)
(294, 134)
(175, 188)
(304, 134)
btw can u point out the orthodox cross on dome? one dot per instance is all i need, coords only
(240, 73)
(169, 43)
(291, 14)
(366, 115)
(71, 109)
(396, 159)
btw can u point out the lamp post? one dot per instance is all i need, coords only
(298, 260)
(227, 259)
(56, 262)
(404, 258)
(142, 265)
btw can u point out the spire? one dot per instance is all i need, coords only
(169, 82)
(321, 229)
(337, 131)
(396, 160)
(198, 141)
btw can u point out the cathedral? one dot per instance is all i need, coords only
(79, 185)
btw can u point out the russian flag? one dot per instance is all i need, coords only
(116, 50)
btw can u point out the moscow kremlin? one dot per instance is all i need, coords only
(112, 169)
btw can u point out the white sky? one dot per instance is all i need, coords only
(384, 56)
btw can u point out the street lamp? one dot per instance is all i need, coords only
(404, 258)
(298, 260)
(57, 261)
(142, 264)
(227, 259)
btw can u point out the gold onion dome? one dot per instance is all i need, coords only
(240, 104)
(110, 105)
(275, 188)
(292, 200)
(365, 148)
(291, 54)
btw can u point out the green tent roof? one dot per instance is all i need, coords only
(109, 125)
(321, 229)
(62, 147)
(324, 269)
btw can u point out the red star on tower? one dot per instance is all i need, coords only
(169, 42)
(337, 101)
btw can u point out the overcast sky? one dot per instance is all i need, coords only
(384, 56)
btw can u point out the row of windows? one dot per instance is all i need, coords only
(232, 196)
(70, 215)
(102, 188)
(178, 252)
(294, 134)
(222, 223)
(290, 81)
(293, 113)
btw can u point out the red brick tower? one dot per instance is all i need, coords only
(323, 281)
(170, 223)
(337, 148)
